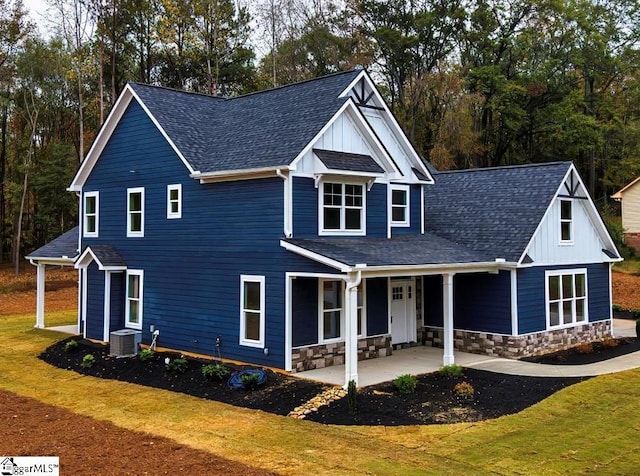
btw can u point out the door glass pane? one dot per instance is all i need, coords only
(331, 325)
(397, 293)
(332, 218)
(554, 288)
(252, 325)
(352, 218)
(580, 285)
(252, 295)
(567, 312)
(567, 286)
(554, 314)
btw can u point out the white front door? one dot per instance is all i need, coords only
(402, 311)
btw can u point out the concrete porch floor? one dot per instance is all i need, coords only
(423, 359)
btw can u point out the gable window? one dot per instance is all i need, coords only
(566, 297)
(566, 221)
(91, 212)
(133, 305)
(135, 212)
(399, 205)
(252, 302)
(342, 208)
(174, 201)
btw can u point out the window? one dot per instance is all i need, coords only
(252, 310)
(566, 221)
(133, 311)
(91, 211)
(566, 297)
(135, 212)
(399, 205)
(174, 201)
(331, 318)
(342, 209)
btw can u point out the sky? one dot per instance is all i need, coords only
(38, 12)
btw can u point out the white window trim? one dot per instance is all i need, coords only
(140, 274)
(246, 278)
(565, 272)
(135, 234)
(340, 338)
(562, 220)
(173, 215)
(85, 233)
(407, 221)
(342, 231)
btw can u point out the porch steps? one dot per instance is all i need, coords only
(323, 398)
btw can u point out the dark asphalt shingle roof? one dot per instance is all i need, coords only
(264, 129)
(108, 255)
(66, 245)
(348, 161)
(492, 211)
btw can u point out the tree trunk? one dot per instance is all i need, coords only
(16, 255)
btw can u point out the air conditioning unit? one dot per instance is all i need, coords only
(124, 343)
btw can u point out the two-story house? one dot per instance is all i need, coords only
(298, 228)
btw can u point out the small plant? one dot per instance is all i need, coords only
(217, 371)
(178, 365)
(451, 370)
(584, 348)
(71, 346)
(352, 396)
(609, 342)
(464, 390)
(406, 384)
(250, 381)
(146, 354)
(88, 361)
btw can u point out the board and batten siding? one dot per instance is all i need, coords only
(532, 300)
(631, 209)
(586, 246)
(389, 139)
(192, 265)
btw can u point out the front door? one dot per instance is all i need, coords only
(401, 296)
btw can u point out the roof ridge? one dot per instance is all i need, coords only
(167, 88)
(505, 167)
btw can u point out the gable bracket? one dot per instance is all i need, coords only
(370, 184)
(316, 180)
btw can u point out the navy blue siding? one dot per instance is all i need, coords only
(377, 306)
(415, 222)
(117, 301)
(95, 302)
(304, 311)
(531, 295)
(482, 302)
(192, 265)
(377, 211)
(432, 299)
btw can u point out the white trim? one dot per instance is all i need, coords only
(448, 357)
(342, 231)
(561, 273)
(40, 292)
(237, 174)
(315, 256)
(321, 311)
(88, 255)
(407, 207)
(137, 233)
(514, 302)
(85, 233)
(85, 292)
(140, 299)
(422, 210)
(246, 278)
(107, 306)
(287, 212)
(171, 214)
(288, 321)
(618, 195)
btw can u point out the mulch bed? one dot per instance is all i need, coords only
(580, 355)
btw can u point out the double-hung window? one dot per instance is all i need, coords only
(566, 221)
(91, 214)
(252, 303)
(342, 208)
(399, 205)
(133, 310)
(566, 297)
(331, 321)
(135, 212)
(174, 201)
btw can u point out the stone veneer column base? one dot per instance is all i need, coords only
(325, 355)
(520, 346)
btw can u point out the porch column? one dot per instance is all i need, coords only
(351, 332)
(40, 284)
(447, 307)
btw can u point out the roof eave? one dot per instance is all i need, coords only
(239, 174)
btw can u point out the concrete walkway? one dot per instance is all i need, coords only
(422, 359)
(72, 329)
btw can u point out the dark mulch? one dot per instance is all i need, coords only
(434, 400)
(599, 352)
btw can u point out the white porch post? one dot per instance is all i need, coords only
(447, 307)
(40, 284)
(351, 331)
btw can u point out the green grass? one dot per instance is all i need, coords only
(590, 427)
(629, 266)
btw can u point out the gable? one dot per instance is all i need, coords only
(631, 207)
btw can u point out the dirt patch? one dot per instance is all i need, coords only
(626, 290)
(88, 447)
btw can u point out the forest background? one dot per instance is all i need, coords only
(474, 83)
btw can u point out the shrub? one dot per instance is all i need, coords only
(617, 308)
(146, 355)
(352, 395)
(584, 348)
(464, 390)
(217, 371)
(609, 342)
(178, 365)
(406, 384)
(71, 346)
(250, 381)
(88, 361)
(451, 370)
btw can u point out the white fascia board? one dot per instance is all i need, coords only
(316, 257)
(430, 269)
(399, 132)
(35, 260)
(238, 174)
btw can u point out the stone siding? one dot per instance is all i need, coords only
(326, 355)
(520, 346)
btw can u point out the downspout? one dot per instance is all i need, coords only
(287, 204)
(351, 331)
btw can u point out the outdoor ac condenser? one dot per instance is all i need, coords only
(124, 343)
